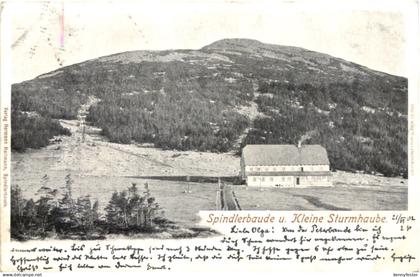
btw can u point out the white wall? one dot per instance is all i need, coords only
(288, 181)
(287, 168)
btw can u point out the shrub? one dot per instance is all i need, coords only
(56, 212)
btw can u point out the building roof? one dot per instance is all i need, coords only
(289, 173)
(284, 154)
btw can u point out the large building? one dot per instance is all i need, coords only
(285, 165)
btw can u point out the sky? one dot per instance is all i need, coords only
(45, 36)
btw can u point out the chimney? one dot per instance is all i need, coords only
(299, 144)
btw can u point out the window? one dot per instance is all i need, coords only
(301, 168)
(254, 179)
(262, 179)
(271, 179)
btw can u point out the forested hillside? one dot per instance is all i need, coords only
(340, 117)
(33, 131)
(234, 92)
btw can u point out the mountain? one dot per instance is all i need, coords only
(227, 94)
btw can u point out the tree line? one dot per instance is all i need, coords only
(58, 214)
(36, 106)
(33, 131)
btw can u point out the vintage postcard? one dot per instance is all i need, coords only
(209, 136)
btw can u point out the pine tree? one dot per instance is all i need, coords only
(17, 209)
(135, 206)
(84, 215)
(30, 214)
(66, 203)
(117, 210)
(151, 207)
(45, 204)
(128, 209)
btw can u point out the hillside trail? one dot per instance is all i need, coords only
(86, 141)
(97, 165)
(88, 152)
(81, 117)
(83, 111)
(251, 112)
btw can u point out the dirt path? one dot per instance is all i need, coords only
(251, 112)
(228, 199)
